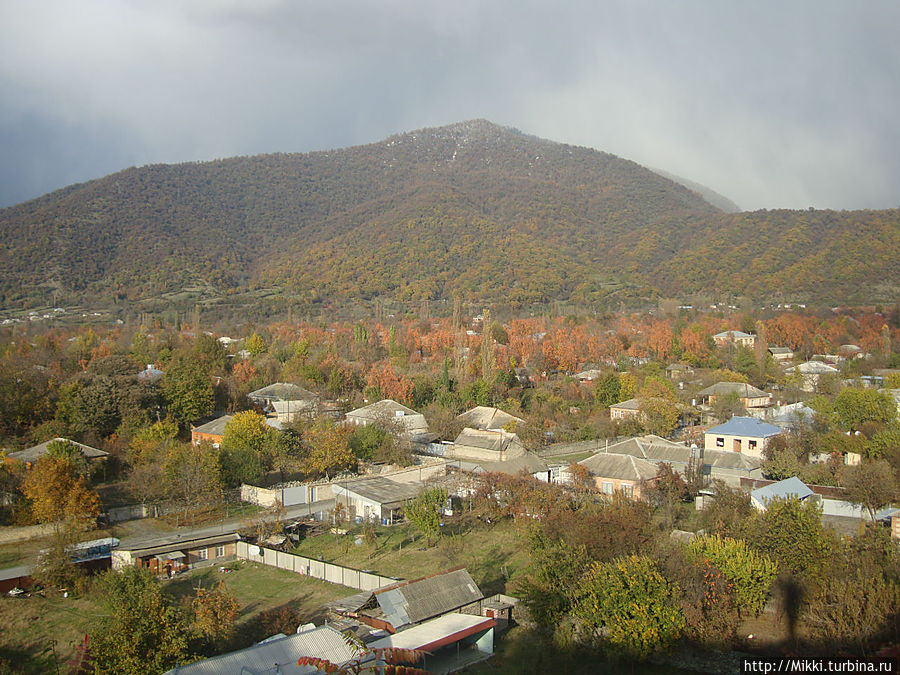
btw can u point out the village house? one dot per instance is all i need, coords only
(741, 434)
(375, 498)
(409, 423)
(483, 417)
(32, 454)
(212, 432)
(781, 353)
(620, 473)
(678, 371)
(285, 401)
(750, 396)
(630, 409)
(810, 372)
(735, 337)
(485, 445)
(172, 554)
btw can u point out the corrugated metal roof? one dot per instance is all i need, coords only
(529, 462)
(435, 632)
(789, 487)
(277, 656)
(484, 439)
(420, 599)
(155, 546)
(385, 407)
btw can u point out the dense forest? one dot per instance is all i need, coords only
(472, 209)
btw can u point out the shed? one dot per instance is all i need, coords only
(789, 487)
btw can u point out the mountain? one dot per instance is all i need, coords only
(719, 201)
(471, 208)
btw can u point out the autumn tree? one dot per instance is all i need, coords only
(192, 477)
(666, 491)
(215, 611)
(871, 485)
(750, 572)
(57, 494)
(793, 536)
(628, 605)
(327, 448)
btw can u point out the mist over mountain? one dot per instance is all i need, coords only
(471, 208)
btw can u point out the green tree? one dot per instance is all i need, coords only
(192, 477)
(424, 512)
(855, 407)
(793, 536)
(255, 345)
(750, 572)
(628, 604)
(556, 567)
(141, 632)
(606, 390)
(188, 390)
(666, 491)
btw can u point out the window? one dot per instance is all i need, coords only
(751, 444)
(720, 442)
(220, 551)
(628, 490)
(607, 488)
(201, 554)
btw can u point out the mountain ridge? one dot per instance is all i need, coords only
(472, 208)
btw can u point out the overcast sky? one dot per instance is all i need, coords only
(772, 104)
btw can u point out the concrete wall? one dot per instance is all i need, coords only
(335, 574)
(289, 496)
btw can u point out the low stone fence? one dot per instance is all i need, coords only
(317, 569)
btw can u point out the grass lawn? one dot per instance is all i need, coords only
(494, 554)
(259, 588)
(28, 626)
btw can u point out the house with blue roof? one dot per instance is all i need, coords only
(741, 434)
(783, 489)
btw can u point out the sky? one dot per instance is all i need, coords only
(772, 104)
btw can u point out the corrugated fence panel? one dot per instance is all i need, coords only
(317, 569)
(294, 495)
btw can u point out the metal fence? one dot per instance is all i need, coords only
(317, 569)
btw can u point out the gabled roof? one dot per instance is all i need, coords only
(630, 404)
(742, 389)
(282, 391)
(733, 334)
(789, 487)
(812, 368)
(33, 453)
(432, 635)
(482, 417)
(529, 463)
(216, 427)
(656, 449)
(276, 655)
(780, 350)
(620, 467)
(420, 599)
(746, 426)
(485, 439)
(383, 408)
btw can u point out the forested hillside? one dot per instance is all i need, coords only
(472, 207)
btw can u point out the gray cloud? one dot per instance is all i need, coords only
(771, 104)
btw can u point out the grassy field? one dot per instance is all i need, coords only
(494, 554)
(32, 629)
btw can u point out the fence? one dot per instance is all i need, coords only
(317, 569)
